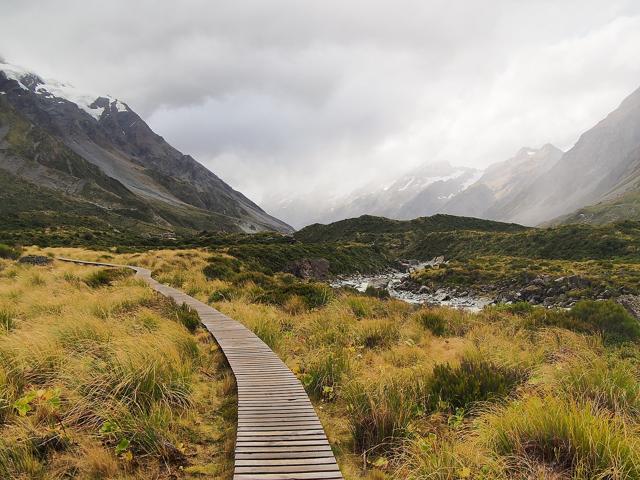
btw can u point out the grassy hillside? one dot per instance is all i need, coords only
(369, 228)
(460, 238)
(512, 392)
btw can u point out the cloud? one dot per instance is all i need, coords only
(282, 97)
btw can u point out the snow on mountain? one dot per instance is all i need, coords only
(419, 192)
(58, 90)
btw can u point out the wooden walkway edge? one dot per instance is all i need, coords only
(279, 435)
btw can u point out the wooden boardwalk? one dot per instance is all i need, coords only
(279, 435)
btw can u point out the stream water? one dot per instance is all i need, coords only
(392, 281)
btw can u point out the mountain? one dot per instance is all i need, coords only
(93, 155)
(420, 192)
(498, 189)
(598, 180)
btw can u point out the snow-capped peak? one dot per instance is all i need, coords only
(54, 89)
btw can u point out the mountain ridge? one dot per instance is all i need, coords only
(104, 139)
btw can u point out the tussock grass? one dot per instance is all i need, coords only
(378, 333)
(7, 320)
(403, 392)
(99, 380)
(324, 373)
(473, 380)
(381, 410)
(575, 437)
(609, 383)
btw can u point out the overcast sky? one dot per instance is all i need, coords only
(295, 96)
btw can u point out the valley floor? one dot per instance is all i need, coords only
(403, 391)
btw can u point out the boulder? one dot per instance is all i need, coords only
(309, 268)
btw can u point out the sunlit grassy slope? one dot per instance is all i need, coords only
(406, 392)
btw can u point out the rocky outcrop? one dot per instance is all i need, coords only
(631, 303)
(309, 268)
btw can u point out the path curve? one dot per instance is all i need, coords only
(279, 435)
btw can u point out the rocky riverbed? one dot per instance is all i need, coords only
(547, 290)
(399, 285)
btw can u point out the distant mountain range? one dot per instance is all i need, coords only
(596, 181)
(66, 155)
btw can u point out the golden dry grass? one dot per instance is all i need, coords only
(368, 365)
(102, 383)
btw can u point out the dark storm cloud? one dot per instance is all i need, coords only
(284, 96)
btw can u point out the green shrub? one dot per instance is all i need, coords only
(257, 278)
(324, 372)
(9, 252)
(432, 321)
(588, 316)
(106, 276)
(518, 308)
(472, 381)
(609, 318)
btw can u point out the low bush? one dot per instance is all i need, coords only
(257, 278)
(381, 293)
(573, 436)
(609, 318)
(218, 271)
(517, 308)
(472, 381)
(222, 294)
